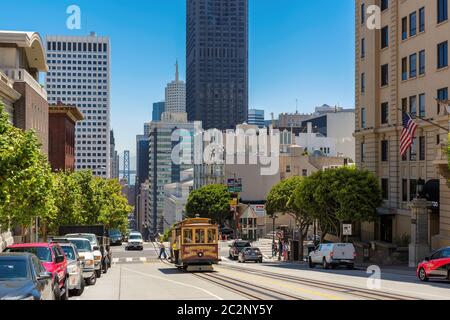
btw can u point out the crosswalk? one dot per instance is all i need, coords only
(134, 260)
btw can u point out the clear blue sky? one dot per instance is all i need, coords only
(298, 49)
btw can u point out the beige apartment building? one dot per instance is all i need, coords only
(404, 66)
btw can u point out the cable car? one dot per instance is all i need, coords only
(194, 244)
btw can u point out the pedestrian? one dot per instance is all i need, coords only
(286, 251)
(162, 250)
(280, 249)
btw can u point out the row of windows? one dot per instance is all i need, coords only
(87, 62)
(413, 24)
(406, 196)
(76, 99)
(63, 86)
(59, 74)
(79, 56)
(77, 46)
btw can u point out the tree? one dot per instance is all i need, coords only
(281, 200)
(335, 196)
(26, 183)
(212, 201)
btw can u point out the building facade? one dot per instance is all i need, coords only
(176, 94)
(175, 198)
(256, 117)
(114, 156)
(62, 121)
(158, 109)
(22, 59)
(80, 75)
(8, 96)
(217, 62)
(403, 67)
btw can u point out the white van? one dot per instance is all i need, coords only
(333, 255)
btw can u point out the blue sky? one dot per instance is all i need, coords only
(299, 49)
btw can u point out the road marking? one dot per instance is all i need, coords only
(176, 282)
(129, 259)
(143, 259)
(115, 260)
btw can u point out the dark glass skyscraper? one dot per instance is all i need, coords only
(217, 62)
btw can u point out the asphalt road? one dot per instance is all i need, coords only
(140, 275)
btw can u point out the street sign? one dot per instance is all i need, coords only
(233, 202)
(347, 229)
(280, 235)
(234, 185)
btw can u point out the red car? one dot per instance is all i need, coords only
(54, 260)
(436, 266)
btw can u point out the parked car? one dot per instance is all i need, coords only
(99, 259)
(54, 260)
(250, 254)
(135, 241)
(23, 277)
(236, 247)
(86, 253)
(115, 237)
(333, 255)
(74, 267)
(436, 266)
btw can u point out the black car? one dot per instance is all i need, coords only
(23, 277)
(237, 247)
(115, 237)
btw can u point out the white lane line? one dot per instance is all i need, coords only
(176, 282)
(129, 259)
(143, 259)
(115, 260)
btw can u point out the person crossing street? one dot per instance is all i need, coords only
(162, 250)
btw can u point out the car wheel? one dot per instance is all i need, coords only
(423, 275)
(448, 275)
(310, 263)
(56, 291)
(325, 264)
(65, 295)
(78, 292)
(98, 273)
(260, 260)
(92, 280)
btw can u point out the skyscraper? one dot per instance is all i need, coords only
(158, 109)
(256, 117)
(217, 62)
(176, 94)
(79, 75)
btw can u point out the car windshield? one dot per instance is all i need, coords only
(13, 269)
(135, 237)
(243, 244)
(82, 245)
(115, 233)
(43, 253)
(91, 237)
(70, 253)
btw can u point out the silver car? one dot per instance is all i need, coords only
(74, 268)
(250, 254)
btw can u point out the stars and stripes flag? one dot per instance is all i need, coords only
(408, 133)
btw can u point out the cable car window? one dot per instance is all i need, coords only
(199, 236)
(187, 236)
(212, 236)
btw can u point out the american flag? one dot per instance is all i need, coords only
(408, 133)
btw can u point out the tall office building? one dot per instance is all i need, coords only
(114, 157)
(158, 110)
(176, 94)
(404, 67)
(79, 75)
(217, 62)
(256, 117)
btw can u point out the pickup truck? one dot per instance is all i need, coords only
(97, 235)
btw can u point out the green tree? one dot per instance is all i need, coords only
(336, 196)
(281, 200)
(26, 182)
(212, 201)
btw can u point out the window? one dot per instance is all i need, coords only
(442, 8)
(363, 151)
(384, 5)
(384, 37)
(363, 48)
(199, 236)
(405, 190)
(385, 188)
(404, 69)
(413, 150)
(412, 189)
(442, 94)
(363, 13)
(384, 150)
(363, 118)
(422, 19)
(422, 62)
(413, 65)
(187, 236)
(442, 55)
(422, 148)
(288, 169)
(384, 75)
(384, 113)
(304, 173)
(363, 82)
(404, 28)
(412, 24)
(413, 105)
(422, 105)
(212, 236)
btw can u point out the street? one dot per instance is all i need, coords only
(139, 275)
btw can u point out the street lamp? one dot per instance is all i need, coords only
(274, 217)
(420, 187)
